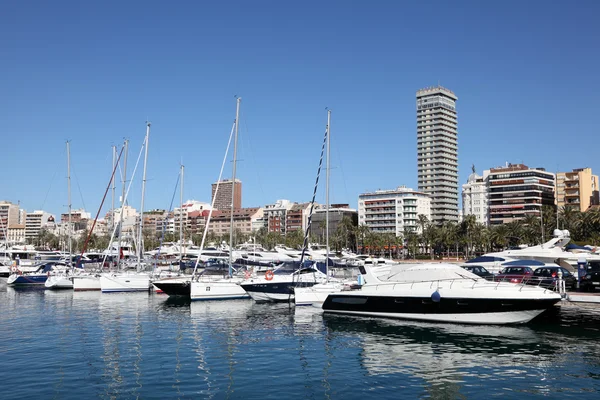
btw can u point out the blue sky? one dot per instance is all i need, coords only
(525, 74)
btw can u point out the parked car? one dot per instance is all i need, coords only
(479, 271)
(547, 276)
(591, 281)
(514, 274)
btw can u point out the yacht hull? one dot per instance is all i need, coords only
(273, 291)
(90, 282)
(456, 310)
(224, 289)
(112, 283)
(315, 295)
(174, 287)
(27, 280)
(57, 282)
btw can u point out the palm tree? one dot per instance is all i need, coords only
(467, 228)
(361, 232)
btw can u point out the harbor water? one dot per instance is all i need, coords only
(82, 345)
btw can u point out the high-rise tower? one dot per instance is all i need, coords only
(437, 151)
(223, 200)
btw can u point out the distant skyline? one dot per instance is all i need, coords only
(93, 73)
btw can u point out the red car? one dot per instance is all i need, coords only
(514, 274)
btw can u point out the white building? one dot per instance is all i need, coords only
(16, 233)
(437, 151)
(183, 212)
(35, 221)
(9, 215)
(475, 197)
(277, 214)
(391, 211)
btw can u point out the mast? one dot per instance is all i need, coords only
(140, 236)
(69, 201)
(181, 216)
(122, 203)
(327, 196)
(112, 206)
(237, 124)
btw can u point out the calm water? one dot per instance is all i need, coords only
(93, 345)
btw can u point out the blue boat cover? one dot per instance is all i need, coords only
(482, 259)
(525, 263)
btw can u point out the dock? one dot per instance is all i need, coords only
(577, 297)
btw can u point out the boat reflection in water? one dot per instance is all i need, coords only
(449, 359)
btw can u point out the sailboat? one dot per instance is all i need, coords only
(64, 280)
(130, 281)
(315, 295)
(205, 287)
(282, 283)
(213, 283)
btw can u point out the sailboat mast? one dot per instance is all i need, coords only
(140, 236)
(124, 176)
(235, 140)
(181, 216)
(114, 186)
(69, 200)
(327, 196)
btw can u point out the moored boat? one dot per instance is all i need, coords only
(442, 293)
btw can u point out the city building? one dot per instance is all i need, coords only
(223, 196)
(577, 188)
(155, 221)
(437, 151)
(182, 215)
(516, 191)
(16, 233)
(337, 212)
(393, 211)
(243, 220)
(276, 215)
(9, 215)
(297, 217)
(36, 221)
(76, 216)
(475, 197)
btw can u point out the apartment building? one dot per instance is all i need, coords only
(515, 191)
(221, 198)
(437, 151)
(475, 197)
(577, 188)
(9, 215)
(243, 220)
(276, 215)
(297, 217)
(337, 212)
(393, 211)
(35, 221)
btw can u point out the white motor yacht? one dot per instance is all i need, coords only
(442, 293)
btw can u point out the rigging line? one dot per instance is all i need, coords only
(78, 188)
(254, 165)
(118, 226)
(164, 224)
(312, 203)
(52, 181)
(100, 208)
(342, 171)
(212, 205)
